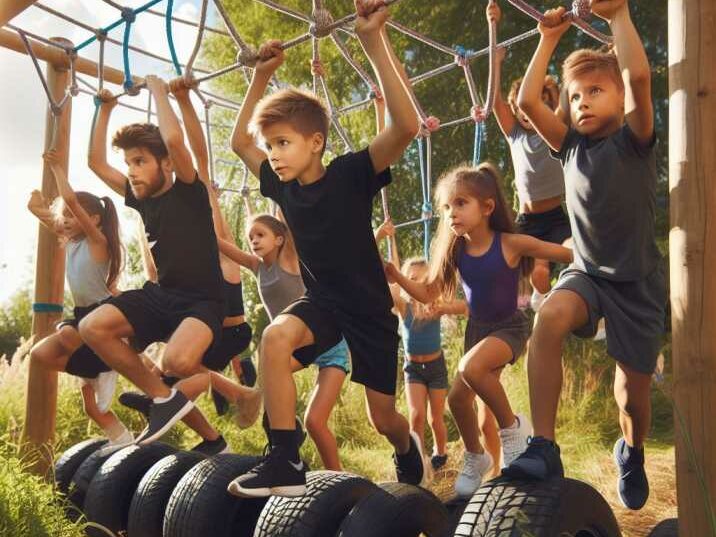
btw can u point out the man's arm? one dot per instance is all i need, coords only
(97, 154)
(171, 131)
(634, 66)
(545, 121)
(150, 267)
(242, 142)
(387, 147)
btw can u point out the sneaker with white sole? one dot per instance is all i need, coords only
(474, 467)
(103, 386)
(212, 447)
(163, 416)
(275, 475)
(123, 440)
(514, 439)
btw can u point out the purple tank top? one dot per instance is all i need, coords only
(490, 284)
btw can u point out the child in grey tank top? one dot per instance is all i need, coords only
(275, 264)
(539, 181)
(90, 229)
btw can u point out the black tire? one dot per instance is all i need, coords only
(111, 490)
(397, 510)
(146, 512)
(666, 528)
(329, 498)
(67, 464)
(84, 474)
(455, 507)
(200, 504)
(538, 508)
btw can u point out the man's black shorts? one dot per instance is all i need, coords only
(372, 340)
(234, 341)
(155, 312)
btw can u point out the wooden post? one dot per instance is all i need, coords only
(41, 402)
(692, 183)
(11, 8)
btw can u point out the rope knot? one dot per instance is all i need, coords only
(478, 114)
(461, 55)
(247, 57)
(128, 15)
(245, 191)
(321, 26)
(100, 34)
(427, 210)
(375, 93)
(581, 9)
(431, 124)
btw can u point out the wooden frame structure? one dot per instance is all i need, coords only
(692, 113)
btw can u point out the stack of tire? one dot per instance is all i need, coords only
(158, 491)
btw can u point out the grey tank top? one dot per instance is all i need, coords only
(538, 176)
(278, 288)
(87, 278)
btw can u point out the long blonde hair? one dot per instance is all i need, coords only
(483, 183)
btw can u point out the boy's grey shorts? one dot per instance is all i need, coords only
(432, 374)
(515, 331)
(634, 314)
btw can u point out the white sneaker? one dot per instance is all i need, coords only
(514, 440)
(601, 334)
(469, 479)
(536, 300)
(123, 440)
(103, 387)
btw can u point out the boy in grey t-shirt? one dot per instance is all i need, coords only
(610, 176)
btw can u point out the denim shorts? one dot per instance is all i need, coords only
(337, 357)
(432, 374)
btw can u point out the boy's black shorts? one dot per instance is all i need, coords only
(372, 340)
(234, 341)
(155, 312)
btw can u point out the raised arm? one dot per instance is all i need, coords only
(634, 66)
(171, 131)
(236, 254)
(422, 292)
(548, 125)
(503, 113)
(97, 153)
(387, 147)
(38, 206)
(242, 142)
(89, 227)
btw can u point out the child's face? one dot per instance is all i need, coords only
(263, 241)
(466, 213)
(290, 152)
(146, 174)
(70, 225)
(596, 104)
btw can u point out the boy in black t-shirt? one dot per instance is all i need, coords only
(186, 306)
(329, 213)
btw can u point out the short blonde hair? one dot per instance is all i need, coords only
(584, 61)
(305, 112)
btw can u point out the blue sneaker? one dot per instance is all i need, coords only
(540, 461)
(632, 485)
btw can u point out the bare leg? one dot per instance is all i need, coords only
(323, 399)
(461, 400)
(107, 421)
(436, 419)
(540, 276)
(490, 438)
(417, 396)
(563, 312)
(387, 420)
(633, 395)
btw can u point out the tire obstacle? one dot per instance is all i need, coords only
(157, 491)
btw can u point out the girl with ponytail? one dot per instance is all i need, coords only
(89, 228)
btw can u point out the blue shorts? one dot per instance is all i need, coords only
(335, 357)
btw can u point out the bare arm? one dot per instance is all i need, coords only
(503, 113)
(455, 307)
(525, 245)
(171, 131)
(150, 268)
(634, 65)
(421, 292)
(546, 122)
(97, 154)
(387, 147)
(242, 142)
(39, 207)
(237, 255)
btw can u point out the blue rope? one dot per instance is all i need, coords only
(45, 307)
(129, 17)
(170, 38)
(477, 148)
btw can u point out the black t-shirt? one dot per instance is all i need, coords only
(181, 237)
(331, 224)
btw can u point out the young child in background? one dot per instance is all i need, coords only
(609, 162)
(475, 241)
(93, 250)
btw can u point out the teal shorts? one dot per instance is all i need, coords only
(337, 356)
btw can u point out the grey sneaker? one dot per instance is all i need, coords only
(163, 416)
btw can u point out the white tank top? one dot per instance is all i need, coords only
(87, 278)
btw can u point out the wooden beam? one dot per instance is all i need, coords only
(12, 8)
(57, 57)
(692, 240)
(41, 398)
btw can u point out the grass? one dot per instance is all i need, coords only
(587, 429)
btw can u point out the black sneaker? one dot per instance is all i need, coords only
(136, 401)
(409, 467)
(300, 431)
(212, 447)
(163, 416)
(275, 475)
(220, 403)
(540, 461)
(248, 373)
(632, 484)
(438, 461)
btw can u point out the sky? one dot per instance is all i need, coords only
(23, 110)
